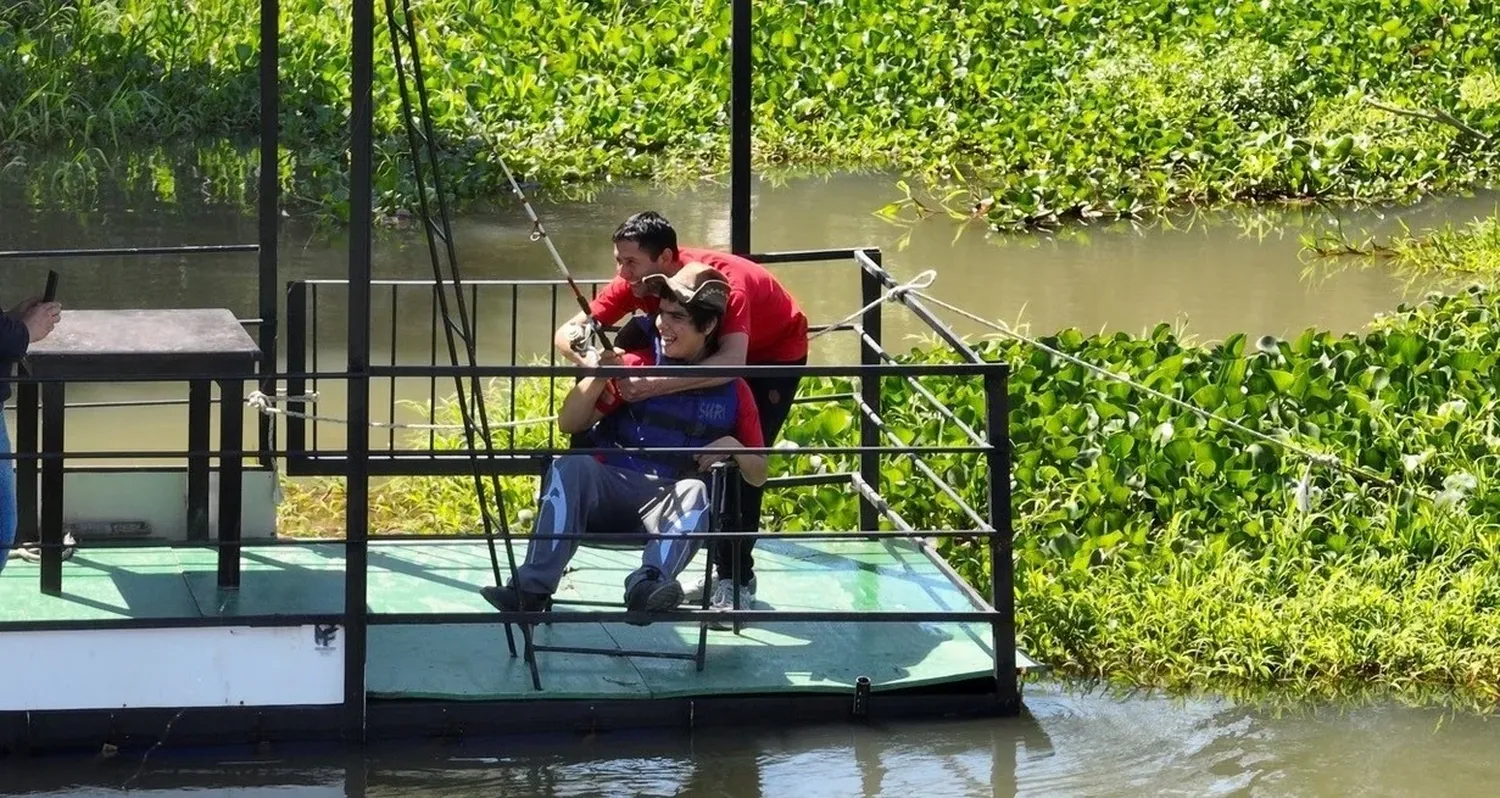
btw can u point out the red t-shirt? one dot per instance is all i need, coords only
(758, 306)
(747, 420)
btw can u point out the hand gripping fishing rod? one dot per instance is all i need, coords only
(539, 233)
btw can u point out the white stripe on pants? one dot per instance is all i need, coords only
(585, 496)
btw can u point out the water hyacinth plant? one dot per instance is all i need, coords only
(1156, 548)
(1045, 111)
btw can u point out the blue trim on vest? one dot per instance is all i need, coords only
(688, 419)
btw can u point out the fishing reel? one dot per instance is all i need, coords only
(584, 337)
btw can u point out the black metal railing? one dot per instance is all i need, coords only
(308, 301)
(311, 303)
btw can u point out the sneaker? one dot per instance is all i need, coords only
(509, 599)
(694, 594)
(723, 599)
(652, 595)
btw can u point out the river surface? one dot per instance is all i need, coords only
(1070, 743)
(1214, 273)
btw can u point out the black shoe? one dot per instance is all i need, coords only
(509, 599)
(652, 595)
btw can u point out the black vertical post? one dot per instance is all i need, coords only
(270, 208)
(1002, 576)
(28, 404)
(296, 366)
(231, 479)
(54, 400)
(200, 440)
(869, 391)
(358, 429)
(739, 130)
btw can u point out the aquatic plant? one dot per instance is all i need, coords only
(1470, 251)
(1044, 111)
(1156, 548)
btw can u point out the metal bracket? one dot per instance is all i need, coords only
(861, 709)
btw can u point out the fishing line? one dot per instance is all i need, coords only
(539, 233)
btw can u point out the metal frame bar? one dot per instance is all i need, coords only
(740, 91)
(357, 465)
(357, 486)
(869, 396)
(904, 531)
(109, 252)
(418, 456)
(270, 209)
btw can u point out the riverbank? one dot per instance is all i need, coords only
(1155, 549)
(1045, 111)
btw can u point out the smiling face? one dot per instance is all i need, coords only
(634, 264)
(681, 339)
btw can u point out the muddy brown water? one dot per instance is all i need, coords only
(1216, 273)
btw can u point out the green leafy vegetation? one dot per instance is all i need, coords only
(1046, 111)
(1154, 548)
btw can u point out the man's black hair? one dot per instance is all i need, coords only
(650, 231)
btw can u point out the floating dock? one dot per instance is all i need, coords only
(469, 665)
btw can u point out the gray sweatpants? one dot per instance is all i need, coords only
(585, 496)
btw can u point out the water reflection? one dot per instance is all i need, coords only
(1069, 743)
(965, 759)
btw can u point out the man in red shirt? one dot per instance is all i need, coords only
(763, 325)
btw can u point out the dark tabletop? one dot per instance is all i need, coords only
(118, 344)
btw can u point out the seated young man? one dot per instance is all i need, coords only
(763, 324)
(631, 492)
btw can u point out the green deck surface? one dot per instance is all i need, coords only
(471, 661)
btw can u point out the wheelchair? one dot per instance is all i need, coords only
(723, 498)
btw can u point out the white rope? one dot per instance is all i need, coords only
(915, 284)
(310, 397)
(266, 405)
(32, 552)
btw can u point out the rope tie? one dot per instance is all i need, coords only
(899, 292)
(259, 399)
(32, 551)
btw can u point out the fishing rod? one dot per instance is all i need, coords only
(539, 233)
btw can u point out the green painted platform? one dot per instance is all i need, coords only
(471, 661)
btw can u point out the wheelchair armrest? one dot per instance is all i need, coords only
(724, 486)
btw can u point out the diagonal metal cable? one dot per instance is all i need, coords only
(1321, 458)
(465, 328)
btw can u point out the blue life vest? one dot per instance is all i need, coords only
(687, 419)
